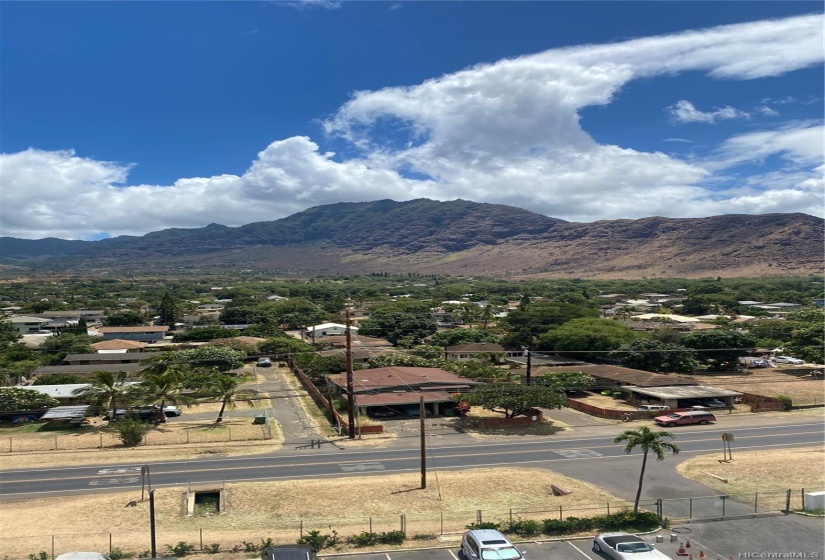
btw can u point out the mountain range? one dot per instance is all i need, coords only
(457, 237)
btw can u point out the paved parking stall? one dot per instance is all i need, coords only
(746, 538)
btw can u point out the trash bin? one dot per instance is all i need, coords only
(260, 419)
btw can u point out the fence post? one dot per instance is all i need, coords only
(229, 431)
(200, 530)
(561, 515)
(756, 502)
(370, 524)
(52, 547)
(187, 442)
(301, 529)
(788, 501)
(442, 523)
(55, 442)
(608, 508)
(802, 497)
(511, 516)
(10, 440)
(403, 523)
(110, 543)
(690, 509)
(101, 444)
(478, 516)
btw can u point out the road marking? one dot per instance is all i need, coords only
(124, 470)
(113, 481)
(578, 453)
(387, 555)
(580, 551)
(361, 467)
(452, 554)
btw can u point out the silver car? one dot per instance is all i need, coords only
(488, 544)
(624, 546)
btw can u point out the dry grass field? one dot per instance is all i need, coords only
(282, 510)
(770, 382)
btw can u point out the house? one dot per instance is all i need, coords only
(26, 324)
(360, 355)
(356, 341)
(109, 358)
(487, 351)
(118, 345)
(397, 390)
(143, 334)
(88, 315)
(328, 329)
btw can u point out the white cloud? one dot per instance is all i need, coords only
(507, 132)
(765, 110)
(684, 111)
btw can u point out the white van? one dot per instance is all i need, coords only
(654, 407)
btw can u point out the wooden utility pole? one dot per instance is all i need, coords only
(422, 415)
(528, 378)
(350, 394)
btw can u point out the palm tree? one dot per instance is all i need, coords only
(229, 391)
(648, 441)
(107, 389)
(163, 384)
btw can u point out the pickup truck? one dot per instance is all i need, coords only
(624, 546)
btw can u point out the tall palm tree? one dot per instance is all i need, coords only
(229, 391)
(107, 389)
(162, 384)
(648, 441)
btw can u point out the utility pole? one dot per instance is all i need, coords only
(152, 540)
(422, 415)
(350, 394)
(528, 378)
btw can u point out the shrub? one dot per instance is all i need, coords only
(318, 541)
(130, 431)
(117, 554)
(42, 555)
(484, 525)
(392, 537)
(249, 546)
(213, 548)
(363, 539)
(787, 402)
(183, 548)
(625, 520)
(525, 527)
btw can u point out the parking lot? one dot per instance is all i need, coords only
(714, 540)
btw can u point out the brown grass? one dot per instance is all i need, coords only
(281, 510)
(767, 473)
(770, 382)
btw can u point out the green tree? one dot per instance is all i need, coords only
(130, 431)
(127, 318)
(58, 379)
(720, 348)
(588, 337)
(451, 337)
(8, 333)
(649, 442)
(19, 399)
(58, 347)
(410, 321)
(512, 399)
(656, 356)
(283, 346)
(528, 322)
(107, 390)
(162, 384)
(228, 390)
(204, 334)
(564, 382)
(168, 310)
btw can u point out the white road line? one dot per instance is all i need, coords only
(387, 554)
(452, 554)
(580, 551)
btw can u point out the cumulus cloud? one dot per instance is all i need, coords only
(684, 111)
(507, 132)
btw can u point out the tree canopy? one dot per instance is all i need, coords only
(588, 337)
(720, 348)
(512, 399)
(661, 357)
(19, 399)
(406, 323)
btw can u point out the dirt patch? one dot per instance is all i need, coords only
(767, 473)
(284, 510)
(771, 382)
(604, 401)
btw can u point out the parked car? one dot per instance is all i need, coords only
(716, 403)
(144, 414)
(788, 360)
(624, 546)
(288, 552)
(684, 418)
(264, 362)
(654, 407)
(488, 544)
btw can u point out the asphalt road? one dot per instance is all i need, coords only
(594, 459)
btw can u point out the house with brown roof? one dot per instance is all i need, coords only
(487, 351)
(118, 345)
(148, 334)
(392, 391)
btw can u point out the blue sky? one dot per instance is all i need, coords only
(130, 117)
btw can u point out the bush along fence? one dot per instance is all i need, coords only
(374, 531)
(101, 440)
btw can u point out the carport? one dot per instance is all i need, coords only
(680, 396)
(407, 403)
(72, 415)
